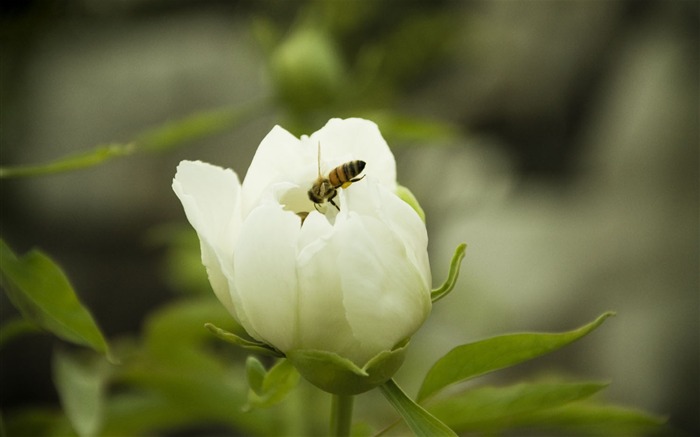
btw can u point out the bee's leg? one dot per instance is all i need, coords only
(316, 206)
(330, 199)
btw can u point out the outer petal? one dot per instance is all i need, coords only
(384, 295)
(322, 321)
(210, 196)
(266, 277)
(355, 138)
(372, 199)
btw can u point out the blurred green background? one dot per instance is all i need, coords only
(558, 139)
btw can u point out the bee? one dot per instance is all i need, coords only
(325, 189)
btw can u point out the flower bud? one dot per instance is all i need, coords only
(306, 70)
(338, 287)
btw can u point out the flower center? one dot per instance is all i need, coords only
(296, 200)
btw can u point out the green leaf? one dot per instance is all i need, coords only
(178, 325)
(80, 382)
(15, 328)
(181, 377)
(71, 162)
(251, 345)
(255, 372)
(452, 276)
(421, 422)
(493, 408)
(474, 359)
(195, 126)
(589, 419)
(276, 384)
(42, 293)
(166, 136)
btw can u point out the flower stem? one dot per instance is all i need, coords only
(341, 415)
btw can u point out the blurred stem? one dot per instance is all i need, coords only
(158, 139)
(341, 415)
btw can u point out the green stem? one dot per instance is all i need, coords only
(341, 415)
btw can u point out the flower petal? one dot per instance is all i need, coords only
(322, 322)
(387, 302)
(266, 277)
(210, 196)
(279, 158)
(351, 139)
(372, 199)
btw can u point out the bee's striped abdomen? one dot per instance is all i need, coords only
(343, 175)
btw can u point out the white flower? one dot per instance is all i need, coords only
(354, 282)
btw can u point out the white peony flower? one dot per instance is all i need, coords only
(354, 281)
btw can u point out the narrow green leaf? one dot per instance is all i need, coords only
(14, 328)
(251, 345)
(452, 276)
(169, 135)
(490, 409)
(198, 125)
(474, 359)
(80, 382)
(76, 161)
(255, 371)
(43, 294)
(421, 422)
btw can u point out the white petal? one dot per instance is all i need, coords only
(322, 316)
(279, 158)
(384, 295)
(210, 196)
(266, 277)
(372, 199)
(351, 139)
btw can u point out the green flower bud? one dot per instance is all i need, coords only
(306, 70)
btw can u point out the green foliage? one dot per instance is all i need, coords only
(421, 422)
(474, 359)
(80, 381)
(72, 162)
(179, 378)
(245, 343)
(496, 408)
(43, 294)
(338, 375)
(15, 328)
(269, 388)
(161, 138)
(452, 276)
(182, 262)
(593, 419)
(306, 70)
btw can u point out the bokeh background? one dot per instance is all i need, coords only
(558, 139)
